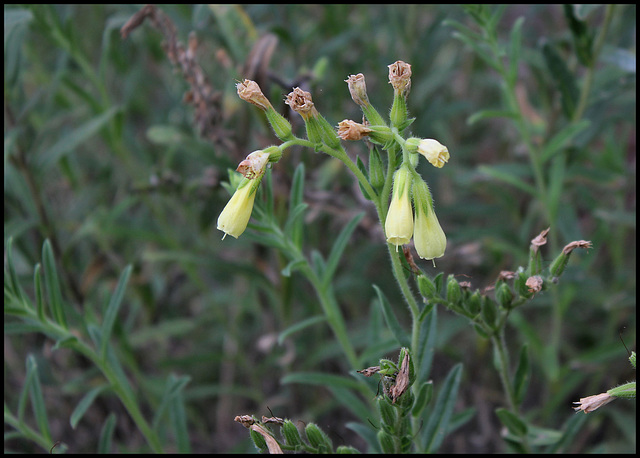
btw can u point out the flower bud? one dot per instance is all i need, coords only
(376, 169)
(318, 439)
(427, 287)
(388, 414)
(388, 443)
(504, 296)
(489, 311)
(398, 226)
(291, 434)
(454, 294)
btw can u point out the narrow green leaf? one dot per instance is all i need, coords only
(571, 429)
(16, 289)
(106, 435)
(427, 344)
(425, 393)
(322, 379)
(582, 39)
(172, 403)
(564, 79)
(54, 295)
(338, 248)
(297, 187)
(84, 404)
(368, 434)
(503, 174)
(561, 138)
(438, 421)
(71, 140)
(292, 266)
(515, 47)
(112, 310)
(556, 184)
(513, 424)
(37, 286)
(300, 326)
(398, 332)
(352, 402)
(37, 399)
(487, 114)
(522, 375)
(294, 225)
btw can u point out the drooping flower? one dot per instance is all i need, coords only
(234, 218)
(398, 226)
(428, 237)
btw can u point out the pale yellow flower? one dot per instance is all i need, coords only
(428, 237)
(398, 226)
(436, 153)
(234, 218)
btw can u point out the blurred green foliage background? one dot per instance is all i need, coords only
(107, 158)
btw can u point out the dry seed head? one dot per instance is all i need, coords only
(300, 102)
(351, 130)
(249, 91)
(400, 77)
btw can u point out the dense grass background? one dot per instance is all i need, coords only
(104, 158)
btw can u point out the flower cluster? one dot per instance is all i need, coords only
(410, 213)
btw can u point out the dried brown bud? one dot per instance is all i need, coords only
(245, 420)
(400, 77)
(577, 244)
(506, 275)
(272, 443)
(358, 89)
(591, 403)
(274, 420)
(369, 371)
(534, 284)
(539, 240)
(351, 130)
(249, 91)
(300, 102)
(402, 380)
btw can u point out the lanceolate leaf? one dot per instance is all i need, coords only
(399, 333)
(437, 423)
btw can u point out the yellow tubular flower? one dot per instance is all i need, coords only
(398, 226)
(428, 236)
(234, 218)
